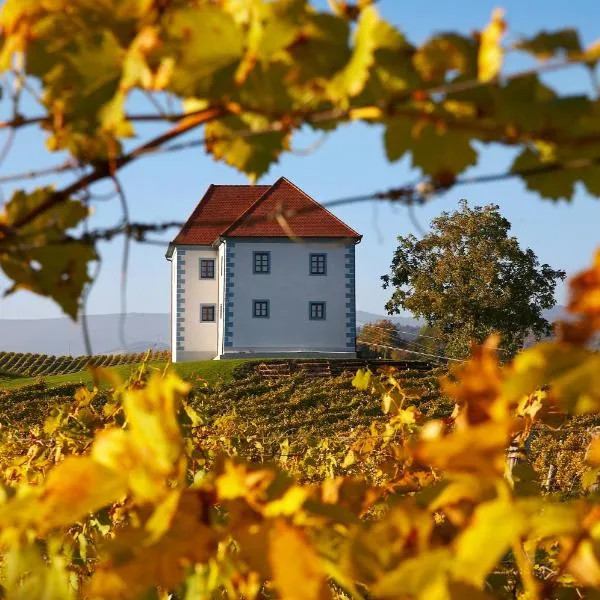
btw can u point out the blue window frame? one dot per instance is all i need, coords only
(261, 262)
(207, 268)
(318, 264)
(260, 309)
(207, 313)
(317, 311)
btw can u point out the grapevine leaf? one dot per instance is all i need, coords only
(437, 153)
(297, 570)
(491, 54)
(362, 379)
(76, 487)
(549, 44)
(445, 54)
(584, 565)
(269, 37)
(560, 185)
(421, 577)
(573, 374)
(207, 44)
(253, 154)
(44, 262)
(323, 50)
(475, 450)
(494, 528)
(130, 565)
(585, 291)
(88, 78)
(150, 451)
(352, 79)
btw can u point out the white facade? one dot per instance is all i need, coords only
(292, 326)
(192, 338)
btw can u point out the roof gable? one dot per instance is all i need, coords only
(252, 210)
(302, 216)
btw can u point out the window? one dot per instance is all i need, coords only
(260, 309)
(207, 268)
(262, 262)
(318, 264)
(317, 311)
(207, 313)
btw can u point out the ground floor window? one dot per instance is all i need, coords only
(317, 311)
(207, 313)
(260, 309)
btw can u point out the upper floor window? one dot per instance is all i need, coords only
(318, 264)
(317, 311)
(207, 313)
(260, 309)
(262, 262)
(207, 268)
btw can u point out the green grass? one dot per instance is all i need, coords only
(210, 370)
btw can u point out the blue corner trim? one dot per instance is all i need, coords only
(180, 302)
(350, 259)
(228, 312)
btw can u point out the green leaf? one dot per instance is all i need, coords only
(352, 79)
(323, 51)
(561, 184)
(40, 261)
(207, 44)
(252, 154)
(437, 153)
(549, 44)
(444, 54)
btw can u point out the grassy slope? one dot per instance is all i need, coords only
(211, 370)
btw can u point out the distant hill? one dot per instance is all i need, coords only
(142, 331)
(63, 337)
(363, 317)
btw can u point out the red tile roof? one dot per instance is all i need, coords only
(220, 206)
(251, 211)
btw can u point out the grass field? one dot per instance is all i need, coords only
(210, 370)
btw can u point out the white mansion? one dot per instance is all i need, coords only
(262, 270)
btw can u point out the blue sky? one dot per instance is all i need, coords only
(350, 162)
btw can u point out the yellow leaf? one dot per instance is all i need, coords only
(76, 487)
(150, 451)
(491, 54)
(297, 570)
(349, 459)
(131, 565)
(495, 526)
(423, 577)
(289, 504)
(362, 379)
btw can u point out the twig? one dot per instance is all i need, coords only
(125, 261)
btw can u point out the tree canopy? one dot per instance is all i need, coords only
(469, 278)
(252, 73)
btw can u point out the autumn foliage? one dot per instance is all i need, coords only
(136, 503)
(137, 496)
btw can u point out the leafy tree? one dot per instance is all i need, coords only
(468, 278)
(251, 73)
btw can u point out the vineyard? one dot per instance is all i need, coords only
(19, 364)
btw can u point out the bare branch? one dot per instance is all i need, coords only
(103, 169)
